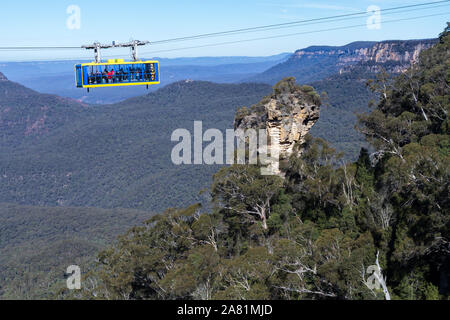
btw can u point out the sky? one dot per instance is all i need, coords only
(79, 22)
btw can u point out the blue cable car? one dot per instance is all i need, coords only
(114, 73)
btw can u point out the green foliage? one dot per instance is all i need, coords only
(309, 235)
(313, 234)
(410, 132)
(242, 193)
(289, 85)
(346, 95)
(111, 155)
(37, 244)
(281, 91)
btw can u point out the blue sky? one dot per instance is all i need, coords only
(44, 23)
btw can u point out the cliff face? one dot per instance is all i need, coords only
(395, 55)
(398, 51)
(351, 53)
(318, 62)
(287, 115)
(2, 77)
(383, 51)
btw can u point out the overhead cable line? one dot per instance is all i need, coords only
(263, 28)
(293, 34)
(251, 29)
(280, 36)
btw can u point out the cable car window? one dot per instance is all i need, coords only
(113, 73)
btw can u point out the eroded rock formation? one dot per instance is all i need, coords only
(287, 115)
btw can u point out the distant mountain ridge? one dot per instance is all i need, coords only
(72, 154)
(57, 77)
(118, 155)
(347, 47)
(25, 113)
(318, 62)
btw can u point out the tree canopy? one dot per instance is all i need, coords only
(315, 233)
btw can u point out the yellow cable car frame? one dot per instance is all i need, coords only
(131, 73)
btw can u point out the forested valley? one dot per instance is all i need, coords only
(314, 233)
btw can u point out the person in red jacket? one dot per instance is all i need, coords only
(111, 75)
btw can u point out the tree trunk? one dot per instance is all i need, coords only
(263, 219)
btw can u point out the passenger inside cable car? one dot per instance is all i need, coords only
(120, 73)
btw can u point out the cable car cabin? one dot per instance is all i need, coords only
(116, 73)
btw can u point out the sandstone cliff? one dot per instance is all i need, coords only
(394, 55)
(287, 115)
(318, 62)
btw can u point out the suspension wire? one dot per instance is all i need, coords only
(273, 37)
(334, 20)
(246, 30)
(294, 34)
(287, 24)
(37, 48)
(291, 34)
